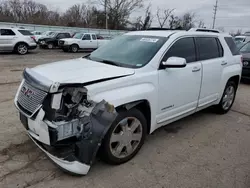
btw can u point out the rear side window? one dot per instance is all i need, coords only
(93, 37)
(184, 48)
(7, 32)
(25, 32)
(208, 48)
(231, 44)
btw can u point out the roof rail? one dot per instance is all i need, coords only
(204, 30)
(159, 28)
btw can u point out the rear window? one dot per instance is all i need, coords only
(208, 48)
(7, 32)
(231, 44)
(25, 32)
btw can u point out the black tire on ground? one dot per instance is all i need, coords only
(219, 108)
(74, 48)
(22, 48)
(105, 152)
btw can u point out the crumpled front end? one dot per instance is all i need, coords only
(65, 124)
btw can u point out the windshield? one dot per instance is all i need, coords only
(78, 36)
(245, 48)
(133, 51)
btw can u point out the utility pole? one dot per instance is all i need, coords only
(106, 14)
(215, 12)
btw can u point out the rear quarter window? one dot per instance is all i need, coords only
(25, 32)
(232, 46)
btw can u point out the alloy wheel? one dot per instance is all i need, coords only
(126, 137)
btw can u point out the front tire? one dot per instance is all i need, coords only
(227, 98)
(124, 138)
(50, 46)
(74, 48)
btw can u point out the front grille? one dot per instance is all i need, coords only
(29, 98)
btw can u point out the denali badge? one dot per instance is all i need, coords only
(245, 63)
(27, 92)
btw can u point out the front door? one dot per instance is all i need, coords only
(179, 88)
(87, 42)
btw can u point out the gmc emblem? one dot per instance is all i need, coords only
(27, 92)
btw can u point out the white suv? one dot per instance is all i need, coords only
(109, 100)
(17, 40)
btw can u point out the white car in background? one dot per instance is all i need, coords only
(16, 40)
(84, 41)
(37, 34)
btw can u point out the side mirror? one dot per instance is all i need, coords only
(175, 62)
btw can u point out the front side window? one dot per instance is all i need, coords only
(86, 37)
(7, 32)
(132, 51)
(184, 48)
(61, 36)
(208, 48)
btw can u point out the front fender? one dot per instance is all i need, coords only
(124, 95)
(128, 94)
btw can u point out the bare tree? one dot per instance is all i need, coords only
(119, 11)
(143, 23)
(201, 24)
(174, 22)
(163, 16)
(188, 20)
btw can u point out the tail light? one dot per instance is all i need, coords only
(33, 38)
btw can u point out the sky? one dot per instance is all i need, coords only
(231, 14)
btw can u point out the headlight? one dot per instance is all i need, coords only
(67, 129)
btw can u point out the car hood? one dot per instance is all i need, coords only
(78, 71)
(71, 40)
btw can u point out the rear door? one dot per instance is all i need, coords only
(210, 54)
(7, 39)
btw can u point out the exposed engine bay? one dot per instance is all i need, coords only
(76, 124)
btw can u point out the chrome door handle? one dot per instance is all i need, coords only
(196, 69)
(224, 63)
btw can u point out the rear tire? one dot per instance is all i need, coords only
(129, 138)
(227, 98)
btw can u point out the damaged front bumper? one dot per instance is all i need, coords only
(74, 154)
(64, 124)
(75, 167)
